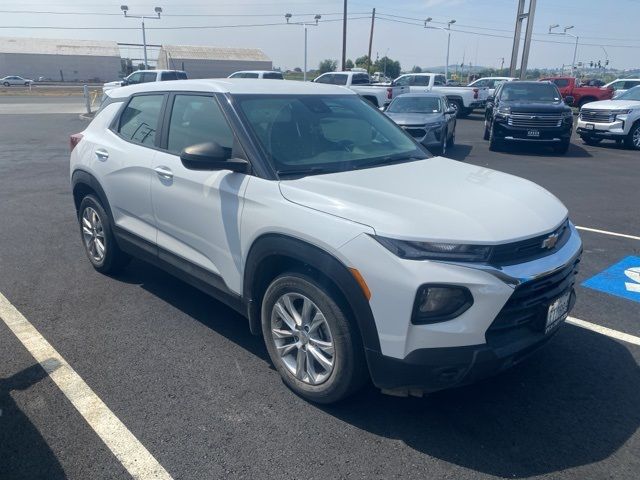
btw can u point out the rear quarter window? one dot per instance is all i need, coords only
(139, 121)
(273, 76)
(165, 76)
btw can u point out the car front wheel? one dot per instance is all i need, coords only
(310, 339)
(6, 84)
(633, 138)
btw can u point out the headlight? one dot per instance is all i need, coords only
(621, 112)
(452, 252)
(504, 110)
(438, 303)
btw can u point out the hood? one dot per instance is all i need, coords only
(435, 199)
(415, 118)
(114, 84)
(542, 107)
(612, 104)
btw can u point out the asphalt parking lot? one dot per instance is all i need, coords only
(184, 375)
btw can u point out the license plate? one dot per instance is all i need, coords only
(590, 126)
(558, 311)
(533, 133)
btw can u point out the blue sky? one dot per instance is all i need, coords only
(612, 25)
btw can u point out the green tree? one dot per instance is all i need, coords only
(327, 65)
(416, 69)
(363, 61)
(349, 64)
(388, 66)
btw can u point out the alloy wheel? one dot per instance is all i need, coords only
(93, 234)
(302, 338)
(636, 137)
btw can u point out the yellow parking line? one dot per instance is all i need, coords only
(124, 445)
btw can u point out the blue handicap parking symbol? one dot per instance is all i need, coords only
(621, 279)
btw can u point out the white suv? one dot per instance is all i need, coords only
(346, 245)
(617, 119)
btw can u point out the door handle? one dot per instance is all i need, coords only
(102, 154)
(164, 172)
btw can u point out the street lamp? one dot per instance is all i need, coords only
(448, 30)
(158, 10)
(575, 48)
(317, 18)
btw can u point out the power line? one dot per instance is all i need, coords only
(43, 12)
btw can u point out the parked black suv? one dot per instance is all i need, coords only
(529, 112)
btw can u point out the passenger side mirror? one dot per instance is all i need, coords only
(491, 99)
(212, 156)
(569, 100)
(450, 110)
(124, 82)
(382, 108)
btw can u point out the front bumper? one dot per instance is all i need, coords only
(478, 104)
(509, 133)
(611, 130)
(505, 323)
(429, 137)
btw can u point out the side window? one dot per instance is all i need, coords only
(182, 75)
(237, 75)
(630, 84)
(326, 78)
(482, 83)
(134, 78)
(617, 85)
(561, 82)
(197, 119)
(165, 76)
(402, 81)
(139, 121)
(439, 80)
(421, 81)
(339, 79)
(273, 76)
(251, 75)
(360, 79)
(149, 77)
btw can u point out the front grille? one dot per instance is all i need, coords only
(526, 309)
(534, 120)
(597, 116)
(415, 132)
(531, 248)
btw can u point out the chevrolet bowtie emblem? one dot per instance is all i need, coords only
(550, 241)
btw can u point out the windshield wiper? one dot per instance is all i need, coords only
(391, 159)
(304, 171)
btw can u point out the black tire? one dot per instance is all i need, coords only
(349, 370)
(486, 131)
(6, 84)
(562, 147)
(629, 141)
(591, 140)
(458, 106)
(495, 145)
(452, 140)
(113, 259)
(442, 150)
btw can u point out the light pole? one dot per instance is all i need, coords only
(575, 48)
(317, 18)
(448, 30)
(158, 11)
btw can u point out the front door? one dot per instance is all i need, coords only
(197, 212)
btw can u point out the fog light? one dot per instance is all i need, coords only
(438, 303)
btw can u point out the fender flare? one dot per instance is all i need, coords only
(82, 177)
(302, 252)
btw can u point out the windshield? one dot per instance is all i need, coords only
(407, 104)
(530, 92)
(632, 94)
(311, 134)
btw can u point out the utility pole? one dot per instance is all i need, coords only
(317, 18)
(448, 32)
(344, 37)
(520, 16)
(158, 11)
(373, 21)
(575, 48)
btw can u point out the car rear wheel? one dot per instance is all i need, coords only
(486, 130)
(310, 340)
(6, 84)
(494, 144)
(97, 237)
(452, 139)
(444, 142)
(633, 138)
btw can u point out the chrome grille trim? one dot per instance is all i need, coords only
(534, 120)
(597, 116)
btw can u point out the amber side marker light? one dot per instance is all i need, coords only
(363, 285)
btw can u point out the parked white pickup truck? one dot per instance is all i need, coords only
(146, 76)
(359, 82)
(463, 99)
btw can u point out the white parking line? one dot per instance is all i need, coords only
(605, 232)
(124, 445)
(625, 337)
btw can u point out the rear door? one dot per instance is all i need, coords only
(197, 212)
(123, 158)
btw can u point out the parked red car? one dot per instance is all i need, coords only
(571, 87)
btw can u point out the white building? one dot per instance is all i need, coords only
(211, 62)
(60, 60)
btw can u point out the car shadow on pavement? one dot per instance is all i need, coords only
(575, 151)
(573, 403)
(459, 152)
(24, 453)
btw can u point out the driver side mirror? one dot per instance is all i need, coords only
(212, 156)
(383, 108)
(491, 99)
(569, 100)
(124, 82)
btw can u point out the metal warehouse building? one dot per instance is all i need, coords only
(60, 60)
(211, 62)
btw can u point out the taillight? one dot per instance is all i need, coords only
(389, 93)
(475, 93)
(74, 140)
